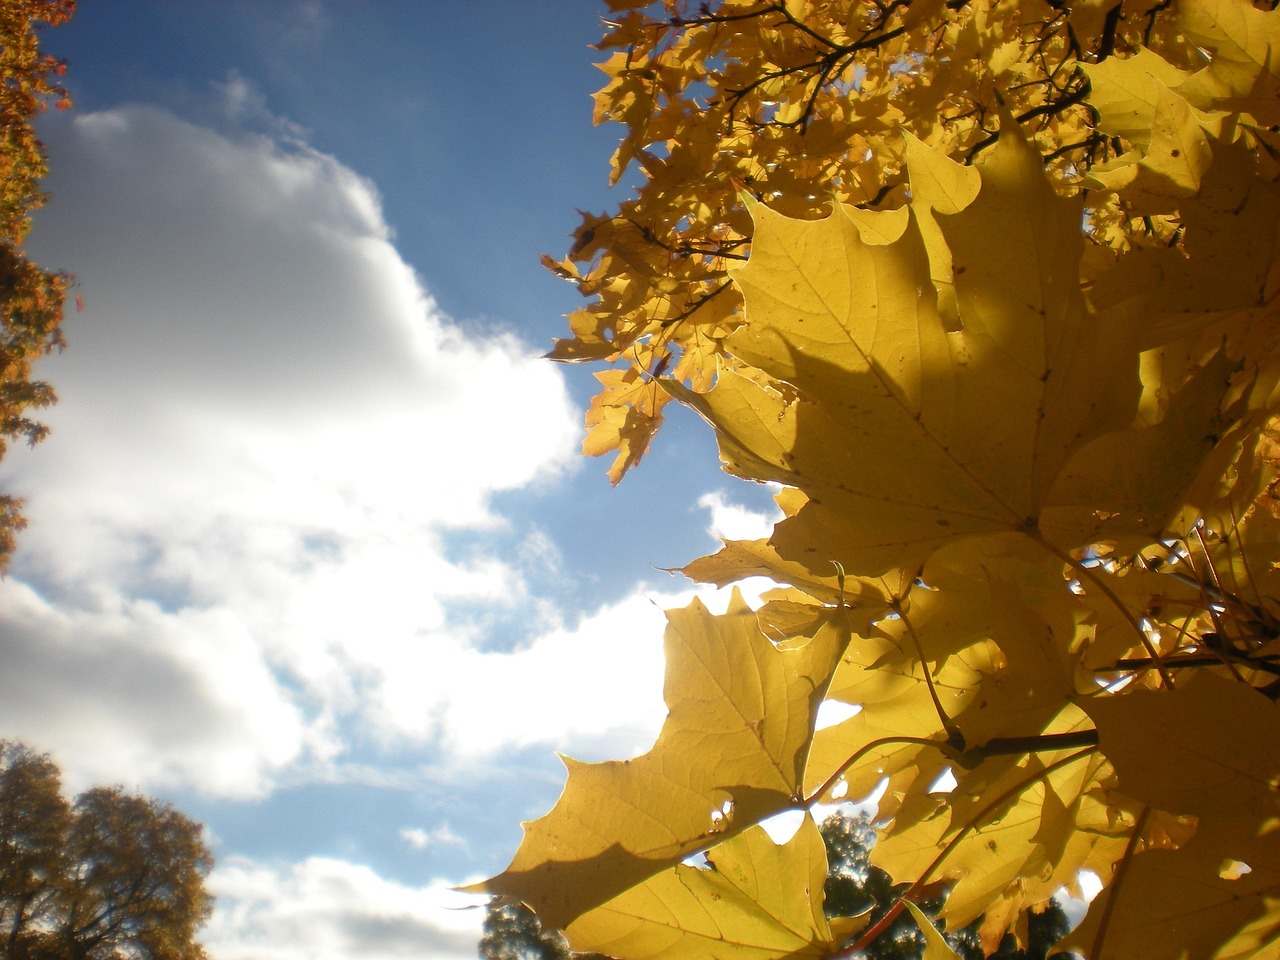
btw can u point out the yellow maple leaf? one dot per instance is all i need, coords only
(903, 435)
(1016, 405)
(935, 947)
(1134, 482)
(623, 417)
(1210, 748)
(1172, 162)
(991, 834)
(1126, 92)
(1242, 73)
(732, 752)
(1224, 263)
(753, 900)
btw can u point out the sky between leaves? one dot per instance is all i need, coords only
(311, 550)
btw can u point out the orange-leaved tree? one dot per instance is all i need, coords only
(31, 297)
(989, 289)
(111, 876)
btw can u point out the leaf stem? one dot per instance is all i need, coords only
(950, 751)
(1267, 664)
(1104, 921)
(996, 747)
(954, 737)
(1006, 746)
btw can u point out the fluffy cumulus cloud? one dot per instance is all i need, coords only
(240, 569)
(191, 683)
(266, 433)
(325, 909)
(733, 521)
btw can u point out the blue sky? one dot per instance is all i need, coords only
(312, 553)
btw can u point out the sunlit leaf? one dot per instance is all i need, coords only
(881, 436)
(753, 900)
(935, 947)
(1210, 748)
(733, 751)
(991, 291)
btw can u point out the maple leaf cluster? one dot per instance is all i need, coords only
(990, 291)
(31, 297)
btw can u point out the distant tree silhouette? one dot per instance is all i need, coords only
(112, 876)
(854, 885)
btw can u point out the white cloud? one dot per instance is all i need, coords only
(443, 835)
(237, 559)
(326, 909)
(129, 690)
(732, 521)
(266, 431)
(593, 688)
(592, 691)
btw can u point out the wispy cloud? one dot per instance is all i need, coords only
(420, 839)
(241, 559)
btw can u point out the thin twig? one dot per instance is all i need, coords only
(1117, 881)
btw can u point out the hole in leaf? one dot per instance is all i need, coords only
(1233, 869)
(1090, 884)
(1150, 629)
(722, 816)
(945, 783)
(781, 827)
(832, 712)
(1074, 898)
(1115, 684)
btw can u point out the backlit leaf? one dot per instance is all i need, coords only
(881, 435)
(732, 752)
(754, 900)
(992, 290)
(1211, 749)
(935, 947)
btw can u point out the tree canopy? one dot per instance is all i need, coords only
(31, 297)
(989, 290)
(110, 876)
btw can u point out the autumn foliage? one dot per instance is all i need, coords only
(31, 298)
(112, 876)
(989, 290)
